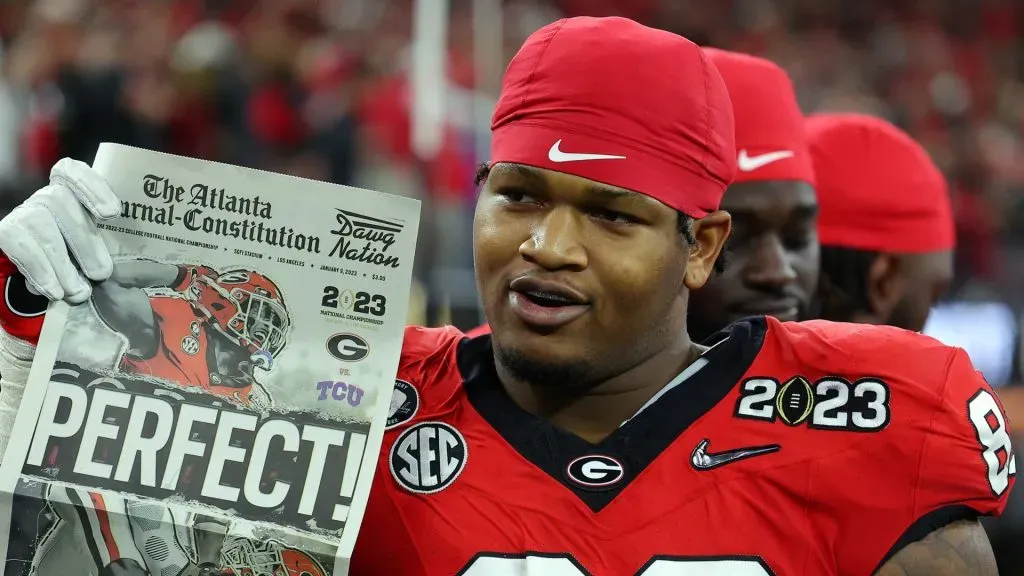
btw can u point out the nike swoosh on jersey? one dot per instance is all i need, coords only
(750, 163)
(555, 154)
(701, 459)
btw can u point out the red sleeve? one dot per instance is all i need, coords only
(967, 457)
(479, 331)
(945, 457)
(21, 312)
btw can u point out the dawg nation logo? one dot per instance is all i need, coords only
(365, 238)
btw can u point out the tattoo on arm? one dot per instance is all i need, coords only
(960, 549)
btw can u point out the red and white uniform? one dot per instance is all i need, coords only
(789, 449)
(181, 356)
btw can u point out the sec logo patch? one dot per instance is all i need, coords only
(190, 345)
(428, 457)
(405, 402)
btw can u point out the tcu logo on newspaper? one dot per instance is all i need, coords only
(132, 436)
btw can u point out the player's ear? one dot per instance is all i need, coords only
(885, 286)
(710, 233)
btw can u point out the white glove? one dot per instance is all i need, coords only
(58, 222)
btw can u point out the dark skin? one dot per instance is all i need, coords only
(773, 257)
(960, 549)
(623, 252)
(903, 288)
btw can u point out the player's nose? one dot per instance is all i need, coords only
(556, 242)
(770, 265)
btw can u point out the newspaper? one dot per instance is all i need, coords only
(218, 405)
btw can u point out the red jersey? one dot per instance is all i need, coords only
(21, 312)
(182, 355)
(787, 449)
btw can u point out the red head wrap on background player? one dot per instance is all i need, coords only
(770, 140)
(877, 188)
(610, 86)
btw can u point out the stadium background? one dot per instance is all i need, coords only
(345, 91)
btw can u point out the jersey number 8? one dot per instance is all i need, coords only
(565, 565)
(990, 427)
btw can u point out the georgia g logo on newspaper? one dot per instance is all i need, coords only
(348, 347)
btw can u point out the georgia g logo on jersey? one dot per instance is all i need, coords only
(595, 471)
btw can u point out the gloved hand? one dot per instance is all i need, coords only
(56, 228)
(37, 242)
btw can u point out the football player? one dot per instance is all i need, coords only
(887, 235)
(589, 434)
(773, 248)
(886, 225)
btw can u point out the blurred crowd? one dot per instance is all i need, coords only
(319, 88)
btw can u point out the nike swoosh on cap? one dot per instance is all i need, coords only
(750, 163)
(555, 154)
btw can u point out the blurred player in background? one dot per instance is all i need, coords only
(887, 238)
(773, 248)
(886, 226)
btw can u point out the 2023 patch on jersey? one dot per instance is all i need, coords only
(812, 448)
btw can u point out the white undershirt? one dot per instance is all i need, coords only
(683, 376)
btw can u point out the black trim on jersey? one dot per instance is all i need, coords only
(520, 555)
(927, 524)
(20, 301)
(638, 442)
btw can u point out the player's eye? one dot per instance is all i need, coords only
(798, 239)
(613, 217)
(516, 195)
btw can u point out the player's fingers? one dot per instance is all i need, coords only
(87, 186)
(40, 225)
(22, 246)
(78, 229)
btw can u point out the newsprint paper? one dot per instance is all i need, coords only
(217, 407)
